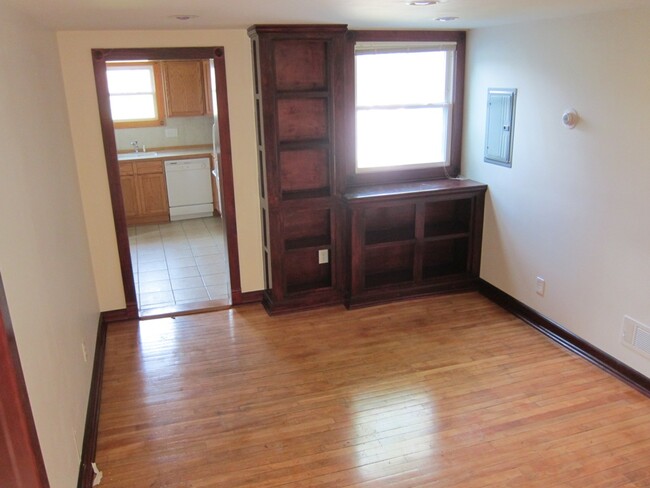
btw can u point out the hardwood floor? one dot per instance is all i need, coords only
(446, 391)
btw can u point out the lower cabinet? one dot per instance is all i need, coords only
(412, 239)
(144, 192)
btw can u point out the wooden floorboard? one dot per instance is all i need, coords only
(445, 391)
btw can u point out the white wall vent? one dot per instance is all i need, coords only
(636, 336)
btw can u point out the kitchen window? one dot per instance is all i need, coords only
(135, 94)
(407, 105)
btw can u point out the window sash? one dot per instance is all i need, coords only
(396, 157)
(151, 96)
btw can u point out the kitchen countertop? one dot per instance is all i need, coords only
(166, 154)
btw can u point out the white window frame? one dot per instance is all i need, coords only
(374, 47)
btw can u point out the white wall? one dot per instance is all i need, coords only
(575, 206)
(79, 81)
(44, 255)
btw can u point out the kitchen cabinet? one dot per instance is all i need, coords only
(298, 97)
(187, 88)
(413, 239)
(144, 192)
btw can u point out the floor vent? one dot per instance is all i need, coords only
(636, 335)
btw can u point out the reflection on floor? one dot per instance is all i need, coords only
(179, 262)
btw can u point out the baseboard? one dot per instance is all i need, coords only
(91, 430)
(566, 338)
(128, 313)
(243, 298)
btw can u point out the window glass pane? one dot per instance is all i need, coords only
(133, 107)
(415, 78)
(401, 137)
(130, 80)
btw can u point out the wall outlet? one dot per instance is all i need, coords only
(171, 132)
(84, 351)
(540, 286)
(323, 256)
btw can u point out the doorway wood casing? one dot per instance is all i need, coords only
(100, 57)
(21, 461)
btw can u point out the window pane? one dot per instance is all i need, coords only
(401, 137)
(417, 78)
(133, 107)
(130, 80)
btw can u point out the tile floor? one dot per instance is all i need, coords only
(179, 262)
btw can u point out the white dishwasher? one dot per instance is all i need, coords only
(189, 188)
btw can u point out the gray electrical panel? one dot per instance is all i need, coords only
(500, 125)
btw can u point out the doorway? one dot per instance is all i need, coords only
(155, 251)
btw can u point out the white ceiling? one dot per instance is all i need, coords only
(358, 14)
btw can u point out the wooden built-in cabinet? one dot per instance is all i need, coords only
(144, 192)
(411, 239)
(298, 92)
(187, 88)
(326, 238)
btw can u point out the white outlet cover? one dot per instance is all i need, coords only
(540, 286)
(323, 256)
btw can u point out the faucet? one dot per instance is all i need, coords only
(136, 148)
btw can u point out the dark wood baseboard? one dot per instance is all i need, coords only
(243, 298)
(128, 313)
(89, 449)
(566, 338)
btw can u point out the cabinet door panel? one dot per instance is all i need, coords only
(184, 90)
(129, 196)
(153, 194)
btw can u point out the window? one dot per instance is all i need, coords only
(403, 105)
(404, 101)
(135, 94)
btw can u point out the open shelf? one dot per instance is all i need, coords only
(388, 224)
(387, 265)
(320, 242)
(307, 228)
(411, 240)
(302, 271)
(447, 217)
(304, 172)
(445, 257)
(389, 236)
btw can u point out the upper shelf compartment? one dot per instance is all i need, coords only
(300, 65)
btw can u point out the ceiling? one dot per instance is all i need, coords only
(358, 14)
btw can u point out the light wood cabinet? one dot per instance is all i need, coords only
(144, 192)
(186, 93)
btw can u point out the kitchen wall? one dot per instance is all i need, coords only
(190, 131)
(573, 208)
(74, 49)
(44, 255)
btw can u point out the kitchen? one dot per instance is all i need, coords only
(166, 136)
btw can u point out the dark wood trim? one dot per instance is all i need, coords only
(565, 338)
(119, 315)
(247, 297)
(225, 169)
(23, 466)
(89, 449)
(100, 57)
